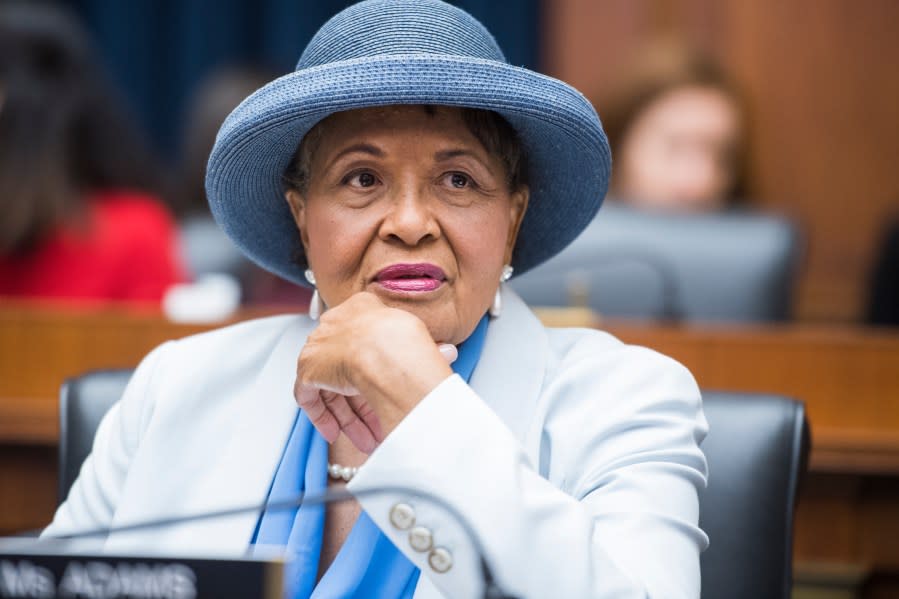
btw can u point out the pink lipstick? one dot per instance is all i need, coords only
(411, 278)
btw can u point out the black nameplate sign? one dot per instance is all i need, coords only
(42, 575)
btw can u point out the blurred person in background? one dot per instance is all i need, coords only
(80, 217)
(207, 249)
(677, 130)
(213, 99)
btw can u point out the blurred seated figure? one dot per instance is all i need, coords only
(207, 250)
(631, 263)
(80, 220)
(883, 301)
(676, 126)
(671, 246)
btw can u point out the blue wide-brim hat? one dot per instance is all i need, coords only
(382, 52)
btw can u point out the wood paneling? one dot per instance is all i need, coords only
(27, 487)
(822, 89)
(834, 500)
(849, 377)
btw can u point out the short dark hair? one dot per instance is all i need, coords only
(493, 131)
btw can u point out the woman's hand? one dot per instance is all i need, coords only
(365, 367)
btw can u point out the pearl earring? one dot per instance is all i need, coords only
(316, 305)
(497, 307)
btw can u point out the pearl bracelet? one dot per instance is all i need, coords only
(345, 473)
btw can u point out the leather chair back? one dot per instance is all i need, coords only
(697, 267)
(757, 450)
(83, 401)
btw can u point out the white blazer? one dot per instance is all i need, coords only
(575, 459)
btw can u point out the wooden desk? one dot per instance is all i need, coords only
(39, 349)
(849, 379)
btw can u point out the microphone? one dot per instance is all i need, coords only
(491, 589)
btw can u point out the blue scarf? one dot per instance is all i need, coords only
(368, 564)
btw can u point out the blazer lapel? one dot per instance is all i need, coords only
(510, 373)
(252, 455)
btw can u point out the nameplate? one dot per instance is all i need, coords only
(43, 575)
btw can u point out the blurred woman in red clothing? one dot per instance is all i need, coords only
(79, 217)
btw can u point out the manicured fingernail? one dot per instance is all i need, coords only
(449, 352)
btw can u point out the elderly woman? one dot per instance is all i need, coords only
(404, 170)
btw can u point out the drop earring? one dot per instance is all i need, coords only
(316, 305)
(496, 308)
